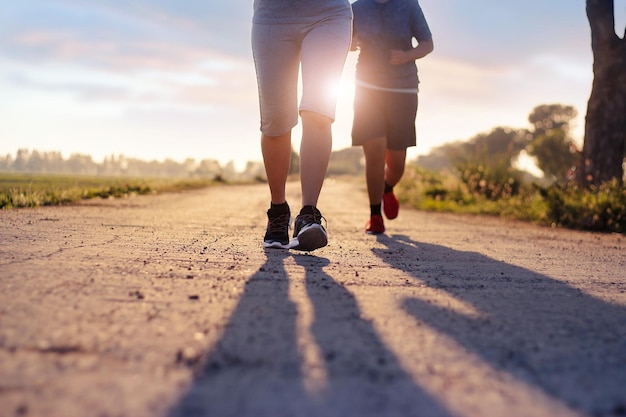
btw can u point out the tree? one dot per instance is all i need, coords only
(605, 129)
(21, 160)
(555, 153)
(551, 144)
(6, 163)
(485, 162)
(209, 168)
(501, 145)
(548, 117)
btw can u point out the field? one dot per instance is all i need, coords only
(33, 190)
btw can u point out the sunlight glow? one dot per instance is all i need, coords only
(527, 163)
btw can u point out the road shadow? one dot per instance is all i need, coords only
(256, 368)
(364, 377)
(550, 335)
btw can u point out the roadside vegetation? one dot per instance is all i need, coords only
(481, 176)
(33, 190)
(557, 205)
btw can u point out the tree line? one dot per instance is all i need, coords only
(343, 162)
(492, 154)
(34, 161)
(487, 161)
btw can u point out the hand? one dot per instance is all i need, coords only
(398, 57)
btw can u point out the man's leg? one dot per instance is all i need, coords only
(395, 162)
(374, 151)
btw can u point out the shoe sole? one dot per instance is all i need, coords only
(390, 216)
(310, 238)
(387, 210)
(275, 245)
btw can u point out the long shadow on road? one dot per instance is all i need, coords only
(256, 364)
(256, 368)
(550, 335)
(364, 376)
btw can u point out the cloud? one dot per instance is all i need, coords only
(132, 53)
(194, 24)
(495, 32)
(225, 83)
(128, 55)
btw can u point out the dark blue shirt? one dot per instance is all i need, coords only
(381, 27)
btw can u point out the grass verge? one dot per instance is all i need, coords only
(33, 190)
(596, 209)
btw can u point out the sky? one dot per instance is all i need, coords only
(164, 79)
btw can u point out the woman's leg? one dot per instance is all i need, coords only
(323, 54)
(276, 152)
(276, 50)
(315, 152)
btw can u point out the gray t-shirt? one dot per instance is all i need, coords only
(299, 11)
(381, 27)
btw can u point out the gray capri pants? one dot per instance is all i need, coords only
(279, 51)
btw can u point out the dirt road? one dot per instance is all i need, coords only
(168, 306)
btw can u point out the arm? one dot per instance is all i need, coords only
(422, 49)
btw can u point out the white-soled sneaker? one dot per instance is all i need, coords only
(309, 234)
(277, 233)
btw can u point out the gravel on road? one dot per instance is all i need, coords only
(168, 305)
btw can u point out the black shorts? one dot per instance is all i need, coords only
(384, 114)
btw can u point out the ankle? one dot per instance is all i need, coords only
(279, 209)
(308, 209)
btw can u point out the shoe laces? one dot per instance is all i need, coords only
(316, 217)
(280, 223)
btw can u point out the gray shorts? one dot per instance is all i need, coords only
(279, 50)
(384, 114)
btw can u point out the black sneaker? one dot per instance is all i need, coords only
(308, 233)
(277, 234)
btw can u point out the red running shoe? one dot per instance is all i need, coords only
(375, 225)
(391, 206)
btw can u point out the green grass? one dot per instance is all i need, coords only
(33, 190)
(596, 209)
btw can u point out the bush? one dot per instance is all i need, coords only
(597, 209)
(492, 182)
